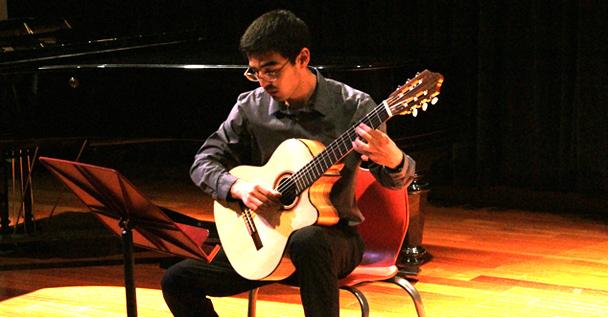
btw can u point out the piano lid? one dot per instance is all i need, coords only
(28, 43)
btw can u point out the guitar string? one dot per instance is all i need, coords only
(348, 135)
(296, 178)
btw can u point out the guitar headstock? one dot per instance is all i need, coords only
(415, 94)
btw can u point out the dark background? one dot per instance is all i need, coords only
(520, 122)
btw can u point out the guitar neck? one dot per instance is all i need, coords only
(416, 94)
(336, 150)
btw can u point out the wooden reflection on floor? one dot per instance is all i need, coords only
(485, 263)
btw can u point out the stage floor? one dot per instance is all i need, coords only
(485, 262)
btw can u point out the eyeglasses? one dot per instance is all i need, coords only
(270, 76)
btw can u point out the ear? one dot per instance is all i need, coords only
(304, 57)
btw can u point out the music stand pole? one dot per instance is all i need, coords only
(129, 264)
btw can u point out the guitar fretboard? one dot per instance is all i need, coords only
(416, 93)
(333, 153)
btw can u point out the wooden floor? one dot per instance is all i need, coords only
(486, 262)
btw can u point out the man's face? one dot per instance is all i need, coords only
(276, 74)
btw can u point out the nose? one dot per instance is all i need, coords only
(266, 84)
(263, 82)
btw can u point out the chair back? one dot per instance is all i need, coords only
(386, 219)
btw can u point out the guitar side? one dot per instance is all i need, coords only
(271, 261)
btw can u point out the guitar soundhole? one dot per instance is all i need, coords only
(288, 193)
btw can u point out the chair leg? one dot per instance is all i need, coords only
(360, 297)
(412, 291)
(253, 297)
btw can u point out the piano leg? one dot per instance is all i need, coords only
(27, 195)
(18, 164)
(4, 220)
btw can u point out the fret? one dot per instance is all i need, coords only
(405, 100)
(333, 154)
(336, 150)
(300, 185)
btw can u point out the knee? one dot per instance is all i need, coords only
(309, 242)
(174, 280)
(168, 282)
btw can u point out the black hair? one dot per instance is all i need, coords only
(280, 31)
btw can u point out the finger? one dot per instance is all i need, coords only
(253, 203)
(380, 137)
(276, 195)
(268, 195)
(360, 146)
(259, 199)
(364, 131)
(365, 127)
(270, 192)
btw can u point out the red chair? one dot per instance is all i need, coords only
(386, 221)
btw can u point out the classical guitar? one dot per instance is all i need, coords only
(303, 171)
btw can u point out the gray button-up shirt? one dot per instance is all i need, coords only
(257, 125)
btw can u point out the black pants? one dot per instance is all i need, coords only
(321, 255)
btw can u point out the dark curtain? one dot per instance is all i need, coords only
(525, 80)
(543, 87)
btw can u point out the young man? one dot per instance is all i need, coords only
(293, 101)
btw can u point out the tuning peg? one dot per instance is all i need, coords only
(434, 101)
(425, 106)
(415, 112)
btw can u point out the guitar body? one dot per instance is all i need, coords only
(270, 261)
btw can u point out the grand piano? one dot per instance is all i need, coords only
(65, 90)
(167, 84)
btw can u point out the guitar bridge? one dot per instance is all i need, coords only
(253, 231)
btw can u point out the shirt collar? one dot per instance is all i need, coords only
(319, 100)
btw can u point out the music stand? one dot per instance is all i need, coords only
(126, 212)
